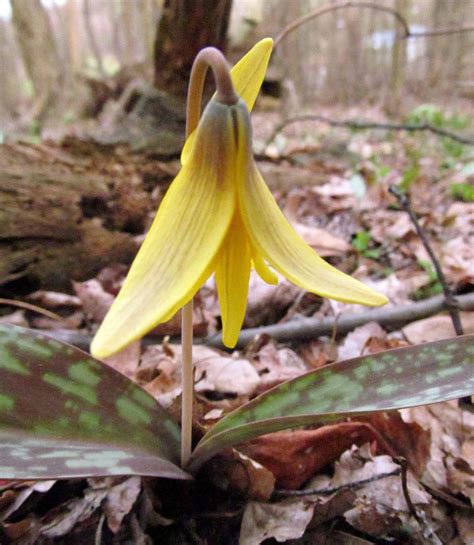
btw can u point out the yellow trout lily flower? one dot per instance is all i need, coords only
(219, 216)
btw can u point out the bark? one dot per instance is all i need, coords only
(73, 26)
(39, 52)
(185, 27)
(63, 218)
(398, 65)
(128, 32)
(9, 79)
(148, 21)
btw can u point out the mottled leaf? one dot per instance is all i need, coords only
(64, 414)
(405, 377)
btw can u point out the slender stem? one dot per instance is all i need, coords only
(187, 398)
(225, 93)
(213, 58)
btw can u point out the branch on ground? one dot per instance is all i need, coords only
(356, 124)
(306, 328)
(310, 328)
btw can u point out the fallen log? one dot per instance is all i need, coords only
(64, 215)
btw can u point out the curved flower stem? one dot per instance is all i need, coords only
(225, 93)
(210, 57)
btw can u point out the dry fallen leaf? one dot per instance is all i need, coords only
(119, 501)
(276, 365)
(322, 241)
(457, 260)
(266, 302)
(465, 525)
(380, 506)
(126, 361)
(95, 300)
(295, 456)
(355, 342)
(284, 520)
(452, 433)
(62, 519)
(336, 195)
(15, 318)
(233, 471)
(437, 327)
(55, 300)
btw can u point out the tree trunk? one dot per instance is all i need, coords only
(39, 52)
(9, 80)
(185, 27)
(153, 117)
(92, 40)
(128, 32)
(398, 65)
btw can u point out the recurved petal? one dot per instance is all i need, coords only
(186, 235)
(286, 251)
(249, 72)
(232, 279)
(263, 270)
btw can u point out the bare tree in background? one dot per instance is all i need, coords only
(154, 115)
(92, 40)
(39, 53)
(185, 27)
(8, 64)
(398, 66)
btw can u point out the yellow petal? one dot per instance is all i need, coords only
(249, 72)
(286, 251)
(247, 76)
(187, 148)
(232, 279)
(186, 235)
(263, 270)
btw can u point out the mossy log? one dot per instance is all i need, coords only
(63, 217)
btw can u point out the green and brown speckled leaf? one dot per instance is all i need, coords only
(405, 377)
(64, 414)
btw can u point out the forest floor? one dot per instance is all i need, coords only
(333, 185)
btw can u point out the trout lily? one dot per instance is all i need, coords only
(219, 216)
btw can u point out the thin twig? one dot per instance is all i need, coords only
(356, 124)
(406, 30)
(451, 303)
(328, 491)
(337, 6)
(29, 306)
(402, 462)
(440, 31)
(98, 532)
(420, 517)
(450, 300)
